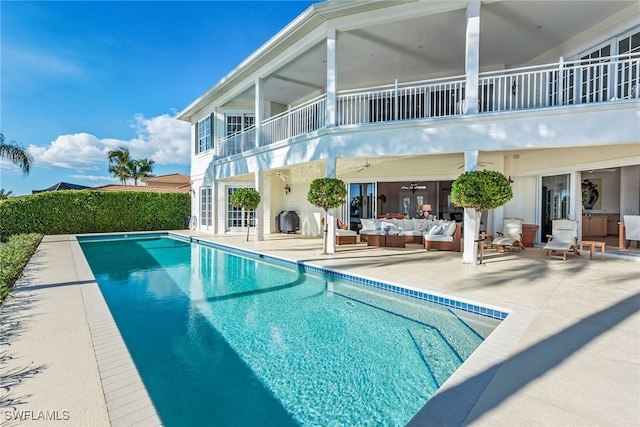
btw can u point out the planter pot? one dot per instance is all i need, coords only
(528, 234)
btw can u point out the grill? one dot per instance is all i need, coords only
(287, 222)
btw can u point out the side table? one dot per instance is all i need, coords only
(592, 247)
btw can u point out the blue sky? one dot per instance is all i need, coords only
(81, 78)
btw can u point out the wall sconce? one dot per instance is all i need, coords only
(510, 180)
(192, 193)
(287, 189)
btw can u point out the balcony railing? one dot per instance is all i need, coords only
(562, 83)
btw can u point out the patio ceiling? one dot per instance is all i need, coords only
(512, 33)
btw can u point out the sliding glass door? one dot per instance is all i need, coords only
(362, 203)
(556, 200)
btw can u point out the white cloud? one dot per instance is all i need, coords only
(97, 178)
(162, 139)
(77, 151)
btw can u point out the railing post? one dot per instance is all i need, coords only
(560, 81)
(613, 70)
(395, 100)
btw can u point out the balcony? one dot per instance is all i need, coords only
(563, 83)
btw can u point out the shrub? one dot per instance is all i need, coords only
(86, 211)
(14, 256)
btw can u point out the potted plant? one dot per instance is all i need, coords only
(326, 193)
(480, 191)
(246, 198)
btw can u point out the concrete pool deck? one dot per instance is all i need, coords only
(575, 361)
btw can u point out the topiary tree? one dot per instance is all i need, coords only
(327, 193)
(480, 191)
(246, 198)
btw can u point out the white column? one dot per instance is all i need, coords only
(259, 186)
(259, 89)
(332, 78)
(331, 217)
(472, 60)
(470, 221)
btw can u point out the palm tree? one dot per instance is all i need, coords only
(15, 153)
(141, 169)
(5, 194)
(120, 164)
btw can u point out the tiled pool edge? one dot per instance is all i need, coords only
(482, 309)
(455, 399)
(128, 402)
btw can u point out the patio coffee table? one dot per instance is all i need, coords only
(394, 242)
(385, 241)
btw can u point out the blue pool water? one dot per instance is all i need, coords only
(225, 339)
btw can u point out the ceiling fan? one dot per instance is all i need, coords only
(364, 166)
(481, 164)
(282, 176)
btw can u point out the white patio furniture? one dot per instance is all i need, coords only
(511, 235)
(563, 238)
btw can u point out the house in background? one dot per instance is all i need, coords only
(175, 183)
(62, 186)
(399, 98)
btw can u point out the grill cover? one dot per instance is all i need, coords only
(287, 222)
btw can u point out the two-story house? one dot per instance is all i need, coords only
(398, 98)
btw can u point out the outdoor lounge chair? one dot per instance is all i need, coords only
(632, 229)
(563, 238)
(511, 235)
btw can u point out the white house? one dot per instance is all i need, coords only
(397, 98)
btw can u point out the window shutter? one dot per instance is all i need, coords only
(196, 138)
(212, 119)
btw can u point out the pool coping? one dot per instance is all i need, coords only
(128, 401)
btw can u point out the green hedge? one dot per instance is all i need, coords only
(14, 256)
(86, 211)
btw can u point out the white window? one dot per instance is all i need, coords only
(203, 135)
(240, 134)
(239, 122)
(628, 78)
(236, 215)
(205, 207)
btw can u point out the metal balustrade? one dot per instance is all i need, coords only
(562, 83)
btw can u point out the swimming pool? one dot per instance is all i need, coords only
(225, 339)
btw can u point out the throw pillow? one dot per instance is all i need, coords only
(377, 225)
(449, 229)
(367, 224)
(436, 229)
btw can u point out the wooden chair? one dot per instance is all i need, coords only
(511, 235)
(563, 238)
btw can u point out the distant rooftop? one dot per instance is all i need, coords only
(62, 186)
